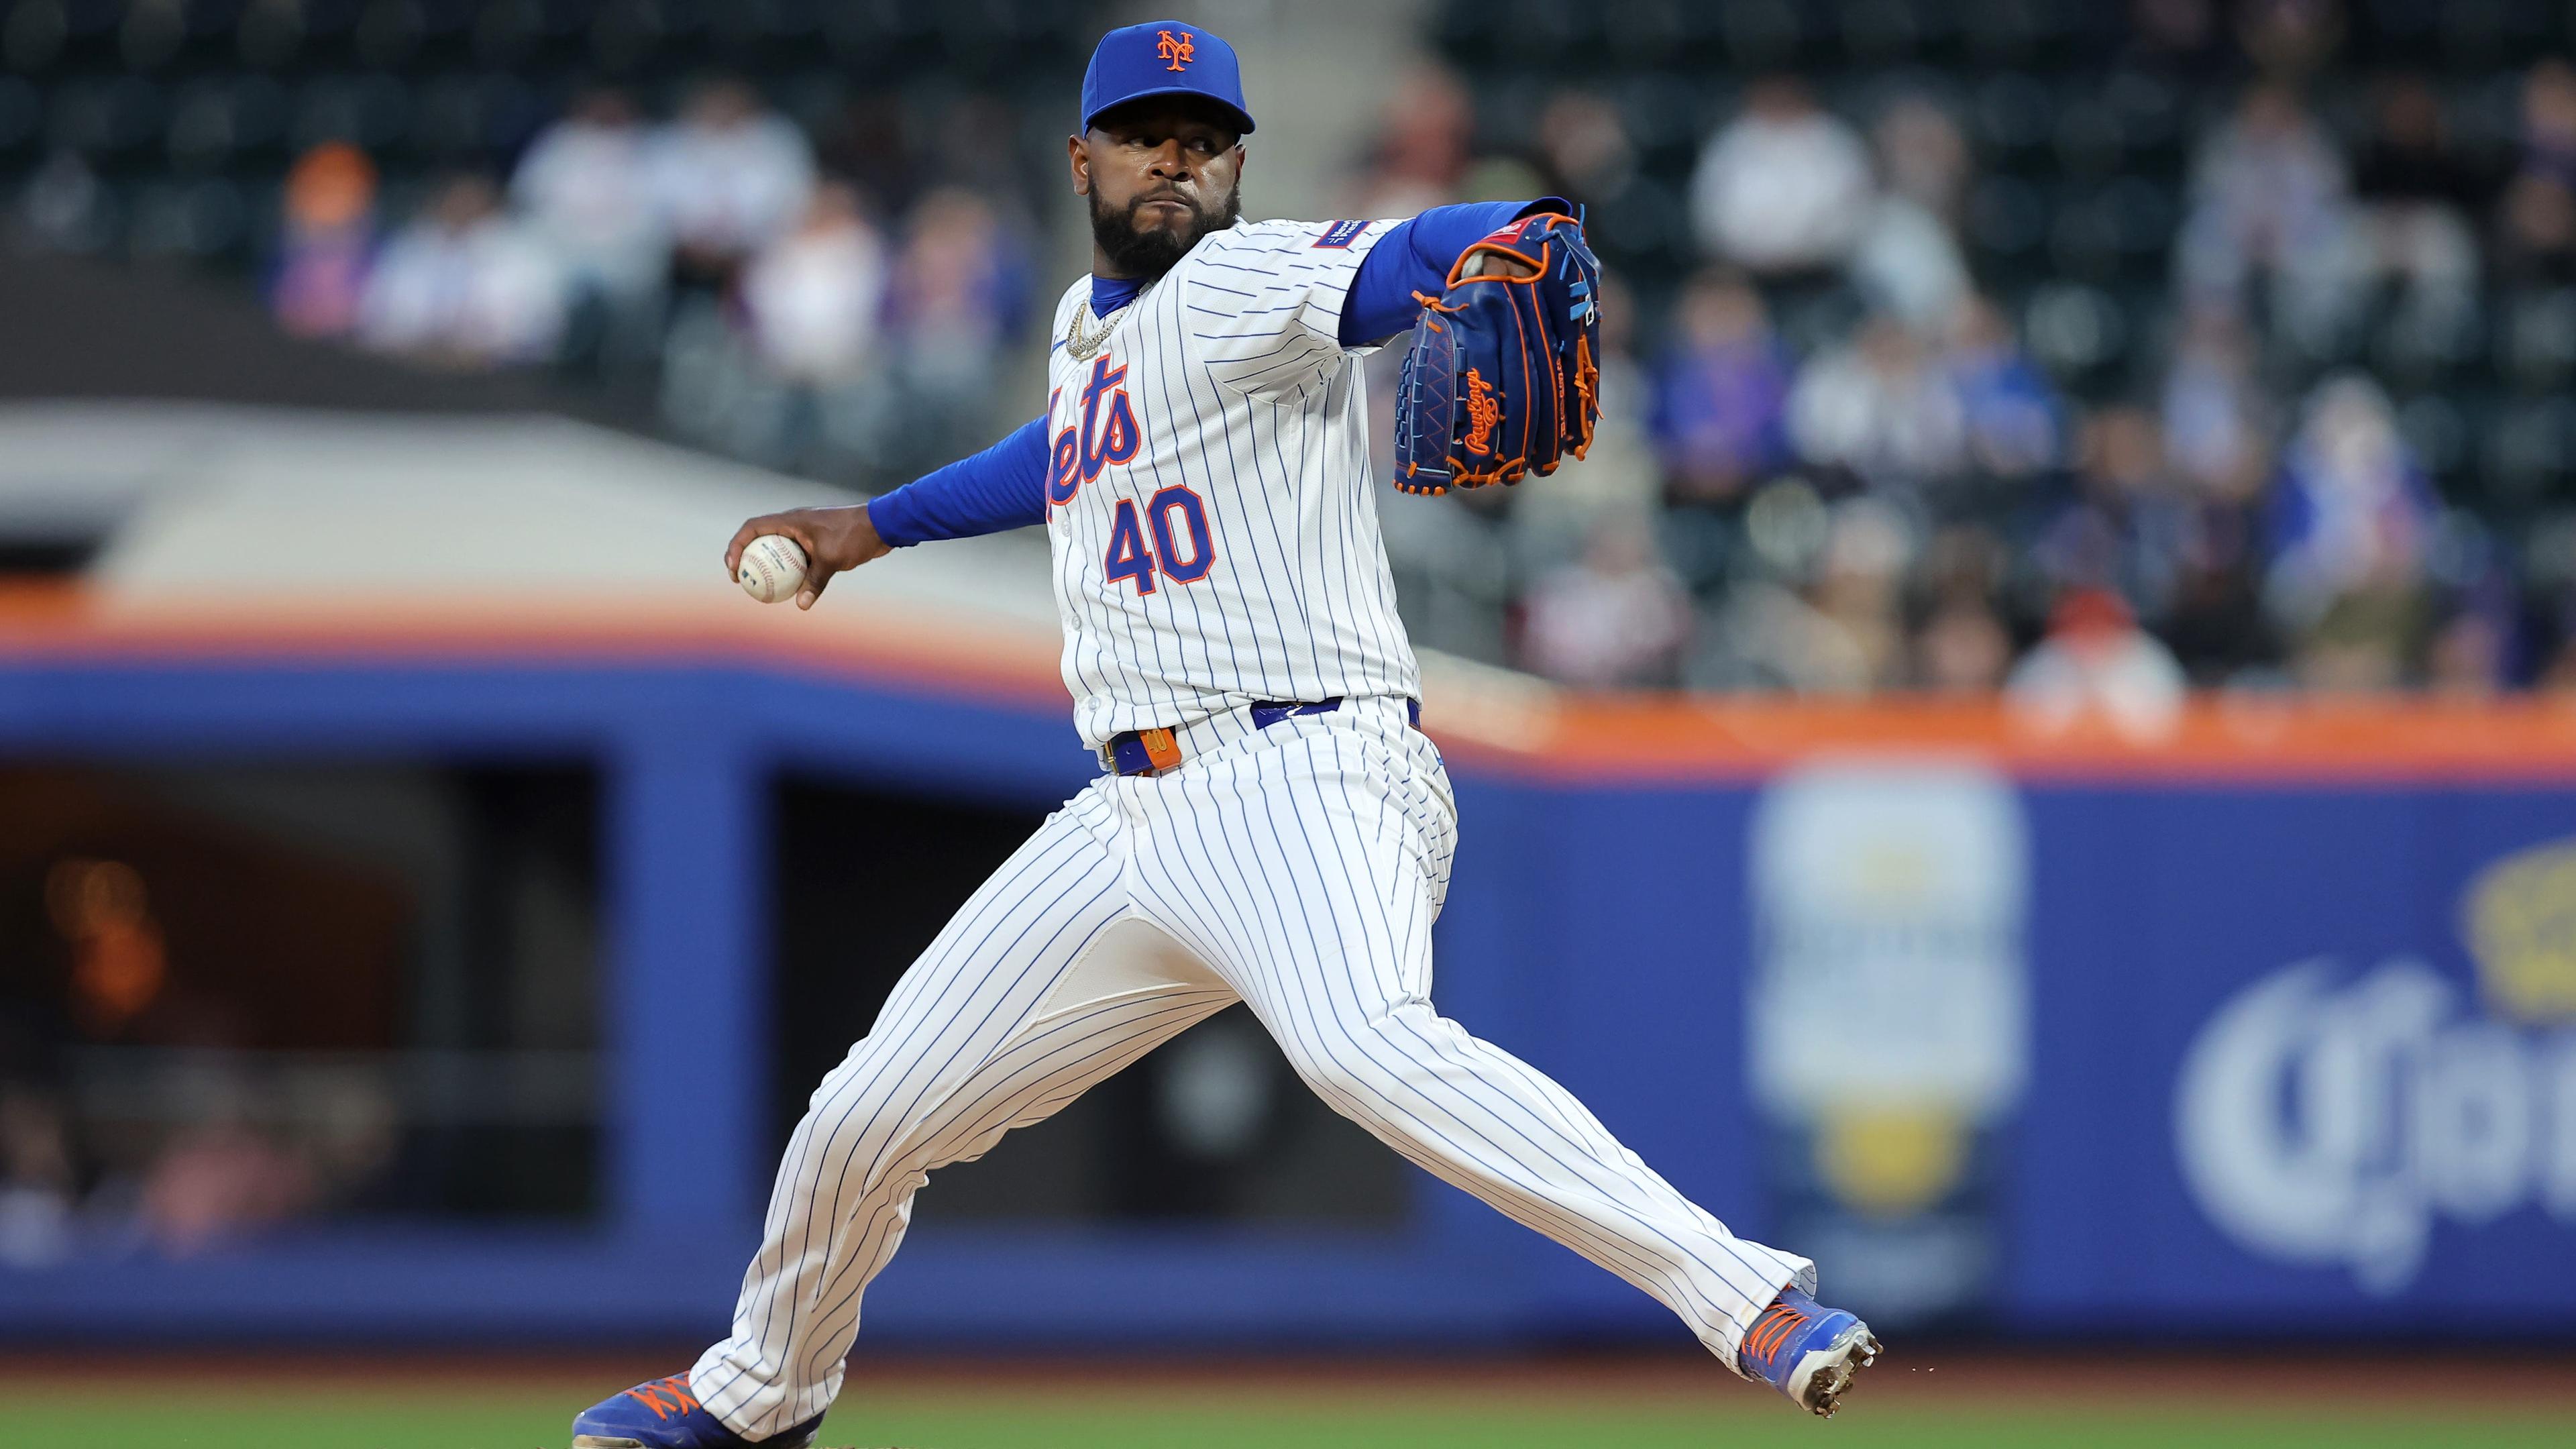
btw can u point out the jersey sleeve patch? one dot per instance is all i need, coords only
(1341, 233)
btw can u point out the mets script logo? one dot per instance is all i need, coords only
(1176, 50)
(1107, 433)
(1483, 413)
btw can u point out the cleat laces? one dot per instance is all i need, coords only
(665, 1396)
(1772, 1330)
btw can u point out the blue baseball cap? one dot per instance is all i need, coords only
(1163, 58)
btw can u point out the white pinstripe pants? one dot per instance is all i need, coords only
(1297, 868)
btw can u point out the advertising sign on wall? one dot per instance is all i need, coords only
(2303, 1058)
(2331, 1114)
(1887, 1020)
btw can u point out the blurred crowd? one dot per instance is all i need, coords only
(783, 292)
(1952, 347)
(1855, 444)
(131, 1119)
(789, 316)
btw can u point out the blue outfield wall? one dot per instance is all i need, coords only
(2262, 1056)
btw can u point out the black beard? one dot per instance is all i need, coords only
(1147, 253)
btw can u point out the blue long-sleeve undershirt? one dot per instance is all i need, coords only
(1004, 486)
(1416, 257)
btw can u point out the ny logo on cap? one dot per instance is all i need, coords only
(1178, 50)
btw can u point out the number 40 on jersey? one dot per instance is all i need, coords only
(1181, 551)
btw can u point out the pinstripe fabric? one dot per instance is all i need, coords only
(1298, 868)
(1241, 392)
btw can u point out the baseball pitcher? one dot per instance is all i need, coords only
(1269, 825)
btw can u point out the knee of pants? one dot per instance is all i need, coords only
(858, 1101)
(1352, 1065)
(855, 1072)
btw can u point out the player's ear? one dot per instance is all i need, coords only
(1079, 158)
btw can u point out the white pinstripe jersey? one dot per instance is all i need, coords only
(1208, 506)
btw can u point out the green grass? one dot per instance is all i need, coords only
(129, 1416)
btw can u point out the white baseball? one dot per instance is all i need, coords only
(773, 568)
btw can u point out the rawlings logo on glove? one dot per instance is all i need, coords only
(1502, 378)
(1483, 414)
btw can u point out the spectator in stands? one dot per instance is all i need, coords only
(961, 285)
(1718, 418)
(1922, 157)
(2289, 40)
(814, 299)
(2126, 526)
(2417, 195)
(1619, 474)
(1859, 589)
(795, 374)
(587, 189)
(2467, 657)
(2216, 623)
(1962, 646)
(732, 176)
(1783, 189)
(1765, 633)
(464, 285)
(1766, 637)
(2217, 417)
(220, 1180)
(1908, 264)
(1618, 617)
(2181, 39)
(1907, 259)
(2269, 203)
(1881, 408)
(2097, 662)
(2352, 507)
(2195, 563)
(2558, 677)
(2006, 403)
(38, 1191)
(1585, 146)
(40, 1171)
(2536, 224)
(327, 242)
(1721, 394)
(1422, 147)
(2348, 526)
(1586, 155)
(871, 142)
(2549, 120)
(2536, 232)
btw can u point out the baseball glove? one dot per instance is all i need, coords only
(1502, 378)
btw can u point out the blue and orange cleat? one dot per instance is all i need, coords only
(664, 1414)
(1807, 1351)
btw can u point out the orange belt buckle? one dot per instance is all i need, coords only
(1160, 747)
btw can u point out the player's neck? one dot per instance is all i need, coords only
(1110, 293)
(1105, 270)
(1102, 268)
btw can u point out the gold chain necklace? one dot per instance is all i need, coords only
(1083, 345)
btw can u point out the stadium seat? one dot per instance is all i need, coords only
(370, 112)
(189, 220)
(22, 116)
(2011, 120)
(1760, 35)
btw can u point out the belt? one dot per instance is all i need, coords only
(1152, 751)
